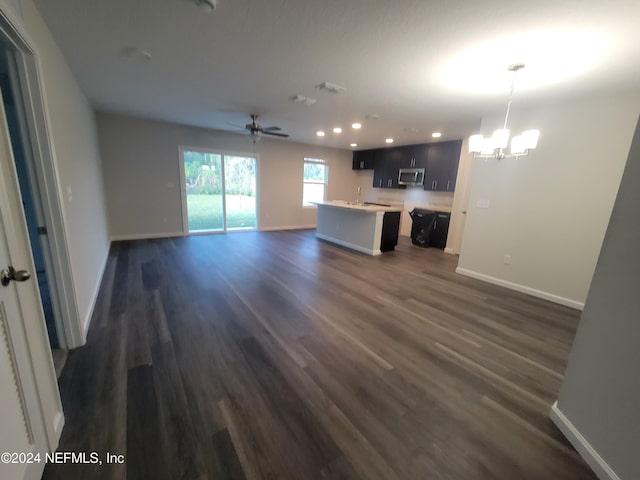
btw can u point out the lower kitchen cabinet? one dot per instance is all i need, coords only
(440, 230)
(390, 229)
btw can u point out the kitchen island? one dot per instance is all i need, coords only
(370, 229)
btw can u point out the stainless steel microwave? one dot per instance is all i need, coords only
(412, 177)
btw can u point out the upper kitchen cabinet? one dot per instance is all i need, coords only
(442, 166)
(363, 160)
(417, 155)
(388, 161)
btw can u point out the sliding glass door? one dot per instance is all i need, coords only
(219, 191)
(240, 192)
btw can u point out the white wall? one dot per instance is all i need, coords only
(598, 406)
(73, 136)
(142, 176)
(550, 211)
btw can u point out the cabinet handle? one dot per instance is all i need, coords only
(380, 182)
(449, 181)
(433, 182)
(436, 184)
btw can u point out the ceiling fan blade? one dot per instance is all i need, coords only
(234, 125)
(284, 135)
(271, 129)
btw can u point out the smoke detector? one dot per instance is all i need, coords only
(206, 6)
(331, 87)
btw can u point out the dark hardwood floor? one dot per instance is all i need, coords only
(277, 356)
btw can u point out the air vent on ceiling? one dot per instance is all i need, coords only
(303, 100)
(331, 87)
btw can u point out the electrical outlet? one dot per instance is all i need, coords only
(507, 259)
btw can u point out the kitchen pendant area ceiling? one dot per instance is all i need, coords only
(418, 66)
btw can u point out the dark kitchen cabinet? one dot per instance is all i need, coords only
(390, 229)
(386, 165)
(417, 155)
(442, 166)
(440, 161)
(363, 160)
(440, 231)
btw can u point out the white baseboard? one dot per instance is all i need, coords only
(146, 236)
(288, 227)
(449, 251)
(583, 447)
(352, 246)
(567, 302)
(58, 425)
(94, 297)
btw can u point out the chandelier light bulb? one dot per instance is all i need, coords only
(499, 141)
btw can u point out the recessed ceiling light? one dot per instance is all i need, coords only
(337, 130)
(354, 144)
(356, 126)
(436, 134)
(389, 140)
(372, 116)
(320, 133)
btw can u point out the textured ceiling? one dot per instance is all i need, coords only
(423, 66)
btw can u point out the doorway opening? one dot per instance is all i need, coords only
(30, 198)
(219, 191)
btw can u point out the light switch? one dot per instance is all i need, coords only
(69, 194)
(483, 203)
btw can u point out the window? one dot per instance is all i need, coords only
(315, 179)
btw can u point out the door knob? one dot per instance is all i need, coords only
(10, 273)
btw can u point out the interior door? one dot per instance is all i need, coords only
(22, 430)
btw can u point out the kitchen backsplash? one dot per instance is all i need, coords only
(412, 197)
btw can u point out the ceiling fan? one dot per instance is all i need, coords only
(256, 130)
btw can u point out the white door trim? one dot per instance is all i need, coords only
(40, 149)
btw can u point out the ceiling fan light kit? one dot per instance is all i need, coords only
(255, 130)
(495, 145)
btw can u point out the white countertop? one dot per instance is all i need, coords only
(435, 207)
(360, 207)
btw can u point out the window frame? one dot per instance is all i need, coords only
(325, 183)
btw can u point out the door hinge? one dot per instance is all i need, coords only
(42, 230)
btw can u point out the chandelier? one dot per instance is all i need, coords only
(495, 145)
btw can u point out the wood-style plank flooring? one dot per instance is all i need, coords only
(278, 356)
